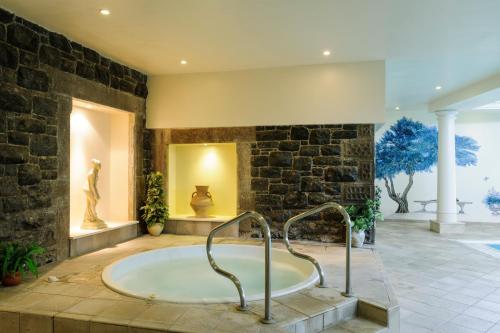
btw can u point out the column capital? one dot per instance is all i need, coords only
(446, 113)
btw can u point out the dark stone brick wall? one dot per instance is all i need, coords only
(34, 125)
(295, 168)
(25, 46)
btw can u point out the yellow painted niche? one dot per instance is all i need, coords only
(210, 164)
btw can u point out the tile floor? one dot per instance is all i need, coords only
(442, 285)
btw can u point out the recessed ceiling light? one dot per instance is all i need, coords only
(184, 62)
(104, 12)
(438, 87)
(326, 53)
(397, 108)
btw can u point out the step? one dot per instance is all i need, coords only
(357, 325)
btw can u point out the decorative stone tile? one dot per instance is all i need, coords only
(365, 171)
(359, 148)
(356, 193)
(365, 130)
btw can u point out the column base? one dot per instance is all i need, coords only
(447, 228)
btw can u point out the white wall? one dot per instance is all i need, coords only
(472, 184)
(103, 136)
(315, 94)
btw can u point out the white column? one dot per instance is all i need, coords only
(446, 219)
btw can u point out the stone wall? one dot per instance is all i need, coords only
(299, 167)
(284, 170)
(40, 72)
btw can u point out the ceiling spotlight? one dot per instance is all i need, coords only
(104, 12)
(326, 53)
(438, 87)
(397, 108)
(184, 62)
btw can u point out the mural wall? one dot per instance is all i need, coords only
(406, 161)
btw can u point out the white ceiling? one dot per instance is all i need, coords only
(425, 43)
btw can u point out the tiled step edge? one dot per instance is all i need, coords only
(357, 325)
(342, 312)
(386, 315)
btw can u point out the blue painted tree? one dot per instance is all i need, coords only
(408, 147)
(492, 200)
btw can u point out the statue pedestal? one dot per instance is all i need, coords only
(93, 225)
(87, 240)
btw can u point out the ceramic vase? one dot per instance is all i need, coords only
(201, 201)
(357, 238)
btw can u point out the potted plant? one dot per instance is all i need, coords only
(155, 211)
(16, 261)
(492, 200)
(363, 218)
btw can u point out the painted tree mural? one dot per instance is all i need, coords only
(408, 147)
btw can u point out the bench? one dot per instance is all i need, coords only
(460, 204)
(424, 204)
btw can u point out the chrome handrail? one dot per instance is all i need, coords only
(347, 219)
(267, 243)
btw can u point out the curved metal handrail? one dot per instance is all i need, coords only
(267, 243)
(321, 274)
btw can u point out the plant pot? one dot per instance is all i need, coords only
(11, 280)
(358, 238)
(156, 229)
(201, 201)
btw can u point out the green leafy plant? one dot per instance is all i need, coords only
(363, 216)
(154, 210)
(15, 257)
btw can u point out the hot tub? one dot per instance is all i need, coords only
(183, 274)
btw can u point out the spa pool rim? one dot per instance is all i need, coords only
(311, 279)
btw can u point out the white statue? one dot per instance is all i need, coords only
(90, 220)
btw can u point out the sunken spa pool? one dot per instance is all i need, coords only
(183, 274)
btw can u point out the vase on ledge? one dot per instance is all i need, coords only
(201, 201)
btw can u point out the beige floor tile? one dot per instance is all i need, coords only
(66, 289)
(91, 307)
(55, 303)
(304, 304)
(121, 312)
(162, 313)
(21, 300)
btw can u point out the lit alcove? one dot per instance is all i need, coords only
(106, 134)
(211, 164)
